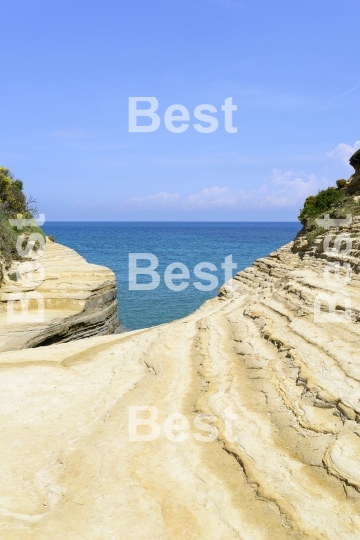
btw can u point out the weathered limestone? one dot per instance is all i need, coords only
(291, 469)
(79, 300)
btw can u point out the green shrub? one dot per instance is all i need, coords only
(320, 203)
(341, 184)
(336, 202)
(12, 203)
(12, 198)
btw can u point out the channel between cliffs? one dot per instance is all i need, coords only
(267, 352)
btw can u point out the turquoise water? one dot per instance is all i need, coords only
(109, 244)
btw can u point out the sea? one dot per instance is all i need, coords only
(160, 244)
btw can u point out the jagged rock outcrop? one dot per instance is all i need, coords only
(285, 372)
(79, 300)
(354, 181)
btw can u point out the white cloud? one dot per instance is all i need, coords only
(213, 197)
(289, 188)
(158, 200)
(343, 152)
(284, 189)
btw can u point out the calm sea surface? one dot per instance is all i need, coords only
(109, 244)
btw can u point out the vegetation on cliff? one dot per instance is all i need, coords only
(337, 202)
(12, 203)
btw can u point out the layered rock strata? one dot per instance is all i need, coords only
(280, 378)
(76, 300)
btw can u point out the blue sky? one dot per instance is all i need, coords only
(69, 67)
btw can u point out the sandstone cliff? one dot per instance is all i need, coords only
(289, 371)
(79, 300)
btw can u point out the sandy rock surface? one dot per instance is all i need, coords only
(79, 299)
(287, 468)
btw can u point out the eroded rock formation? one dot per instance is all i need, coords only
(354, 181)
(79, 300)
(289, 469)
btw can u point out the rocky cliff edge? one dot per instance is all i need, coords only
(64, 298)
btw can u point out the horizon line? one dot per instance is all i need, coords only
(166, 221)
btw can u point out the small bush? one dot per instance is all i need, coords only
(12, 198)
(341, 184)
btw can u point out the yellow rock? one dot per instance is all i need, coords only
(257, 358)
(79, 300)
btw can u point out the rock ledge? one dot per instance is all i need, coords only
(79, 300)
